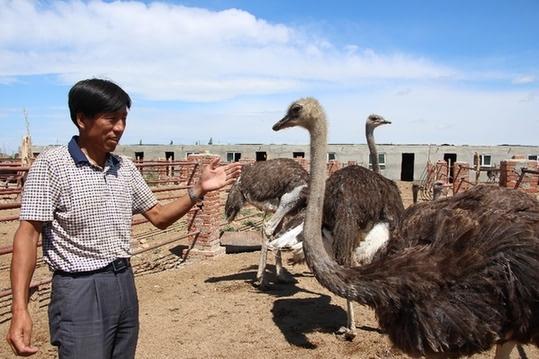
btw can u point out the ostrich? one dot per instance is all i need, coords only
(438, 188)
(492, 174)
(360, 208)
(275, 186)
(416, 225)
(372, 122)
(470, 285)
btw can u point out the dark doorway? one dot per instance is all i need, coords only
(261, 156)
(407, 167)
(298, 154)
(169, 156)
(139, 156)
(450, 158)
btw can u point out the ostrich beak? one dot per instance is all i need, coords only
(282, 123)
(385, 122)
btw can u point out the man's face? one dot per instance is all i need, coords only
(105, 130)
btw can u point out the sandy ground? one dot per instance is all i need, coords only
(210, 309)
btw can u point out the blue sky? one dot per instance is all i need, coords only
(461, 72)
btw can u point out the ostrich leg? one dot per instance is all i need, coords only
(282, 277)
(262, 261)
(287, 203)
(278, 265)
(260, 274)
(349, 332)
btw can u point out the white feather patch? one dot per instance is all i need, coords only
(375, 239)
(288, 240)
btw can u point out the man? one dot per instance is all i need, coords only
(81, 198)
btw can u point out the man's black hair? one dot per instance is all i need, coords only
(94, 96)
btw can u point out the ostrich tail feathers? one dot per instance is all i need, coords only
(287, 240)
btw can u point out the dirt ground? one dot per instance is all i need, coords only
(210, 309)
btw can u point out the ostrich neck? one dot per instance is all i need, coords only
(313, 221)
(369, 133)
(324, 267)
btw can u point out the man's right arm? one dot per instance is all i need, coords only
(23, 263)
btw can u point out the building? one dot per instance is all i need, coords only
(397, 161)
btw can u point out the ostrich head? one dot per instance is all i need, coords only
(234, 201)
(374, 121)
(437, 189)
(303, 112)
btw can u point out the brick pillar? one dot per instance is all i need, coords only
(441, 171)
(461, 177)
(304, 163)
(208, 219)
(510, 171)
(333, 166)
(186, 171)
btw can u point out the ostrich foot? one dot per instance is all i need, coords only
(346, 333)
(261, 283)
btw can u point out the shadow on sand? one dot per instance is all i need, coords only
(295, 317)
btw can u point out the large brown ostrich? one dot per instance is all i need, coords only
(470, 285)
(276, 186)
(360, 208)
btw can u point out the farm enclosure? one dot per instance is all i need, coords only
(208, 308)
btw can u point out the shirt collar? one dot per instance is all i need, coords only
(79, 156)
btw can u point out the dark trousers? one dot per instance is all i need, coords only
(94, 316)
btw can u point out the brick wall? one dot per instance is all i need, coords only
(441, 171)
(510, 171)
(461, 177)
(208, 218)
(332, 167)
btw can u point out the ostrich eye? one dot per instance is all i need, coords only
(295, 109)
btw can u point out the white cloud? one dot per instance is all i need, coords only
(524, 79)
(161, 51)
(171, 52)
(426, 115)
(438, 114)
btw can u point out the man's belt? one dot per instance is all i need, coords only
(116, 266)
